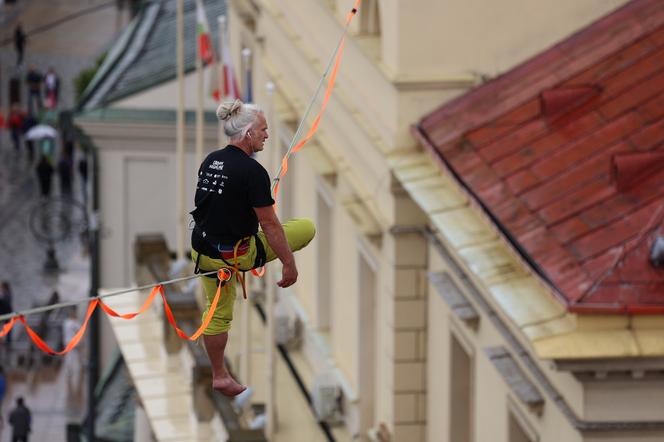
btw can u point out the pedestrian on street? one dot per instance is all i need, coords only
(72, 359)
(34, 80)
(6, 306)
(45, 176)
(3, 390)
(21, 421)
(83, 175)
(65, 171)
(15, 124)
(52, 87)
(19, 43)
(28, 123)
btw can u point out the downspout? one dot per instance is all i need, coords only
(93, 216)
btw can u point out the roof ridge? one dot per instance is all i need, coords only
(112, 55)
(134, 46)
(481, 109)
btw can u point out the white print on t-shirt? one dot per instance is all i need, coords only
(212, 182)
(217, 165)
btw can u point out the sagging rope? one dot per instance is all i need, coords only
(224, 274)
(293, 148)
(336, 57)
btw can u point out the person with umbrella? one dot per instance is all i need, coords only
(44, 175)
(41, 131)
(46, 134)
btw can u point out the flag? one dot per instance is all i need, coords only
(229, 88)
(215, 93)
(205, 50)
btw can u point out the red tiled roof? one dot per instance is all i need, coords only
(566, 152)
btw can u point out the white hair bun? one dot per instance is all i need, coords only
(229, 108)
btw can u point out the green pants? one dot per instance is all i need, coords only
(299, 232)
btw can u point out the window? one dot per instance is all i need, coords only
(516, 432)
(369, 18)
(518, 428)
(368, 341)
(286, 196)
(461, 391)
(323, 259)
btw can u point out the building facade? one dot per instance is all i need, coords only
(429, 322)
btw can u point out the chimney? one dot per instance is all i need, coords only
(628, 169)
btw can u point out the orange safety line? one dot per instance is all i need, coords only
(109, 311)
(224, 274)
(328, 93)
(8, 326)
(314, 127)
(43, 346)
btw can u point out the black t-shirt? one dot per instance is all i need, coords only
(230, 185)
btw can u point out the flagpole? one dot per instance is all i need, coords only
(199, 106)
(270, 335)
(221, 20)
(245, 342)
(246, 69)
(179, 130)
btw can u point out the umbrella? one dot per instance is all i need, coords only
(41, 131)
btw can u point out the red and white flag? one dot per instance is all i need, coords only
(205, 50)
(229, 89)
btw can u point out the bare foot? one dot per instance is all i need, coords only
(227, 386)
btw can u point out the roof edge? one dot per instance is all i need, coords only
(132, 49)
(471, 99)
(113, 55)
(419, 133)
(188, 69)
(581, 308)
(153, 115)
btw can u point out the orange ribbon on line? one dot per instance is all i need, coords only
(42, 345)
(328, 92)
